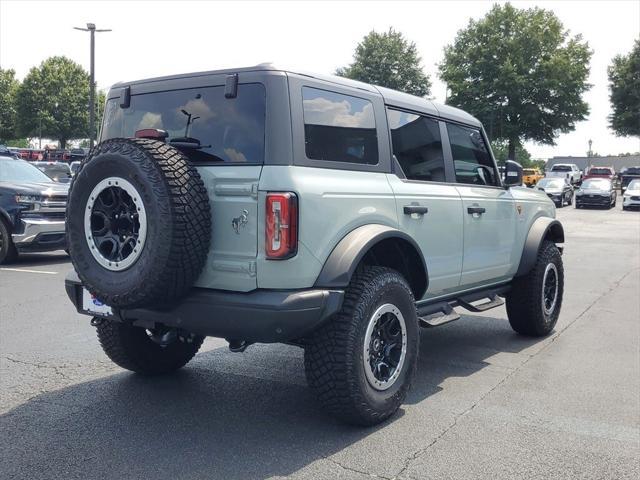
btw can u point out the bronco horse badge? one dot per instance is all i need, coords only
(240, 221)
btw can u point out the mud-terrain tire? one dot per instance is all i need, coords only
(334, 359)
(176, 212)
(132, 349)
(531, 310)
(8, 252)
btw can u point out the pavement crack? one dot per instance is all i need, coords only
(57, 369)
(424, 450)
(355, 470)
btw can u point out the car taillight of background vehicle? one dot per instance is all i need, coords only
(281, 229)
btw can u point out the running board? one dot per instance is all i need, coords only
(437, 314)
(494, 301)
(440, 313)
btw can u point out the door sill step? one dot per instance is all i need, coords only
(494, 301)
(445, 314)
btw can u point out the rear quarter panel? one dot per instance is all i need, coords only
(331, 204)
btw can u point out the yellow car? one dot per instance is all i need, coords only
(530, 176)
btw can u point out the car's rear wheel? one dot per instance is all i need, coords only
(145, 351)
(361, 363)
(138, 223)
(8, 252)
(535, 299)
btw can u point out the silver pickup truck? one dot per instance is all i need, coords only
(264, 205)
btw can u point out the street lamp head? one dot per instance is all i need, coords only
(91, 26)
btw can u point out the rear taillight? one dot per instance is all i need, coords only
(281, 229)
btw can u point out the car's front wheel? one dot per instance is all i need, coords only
(361, 363)
(534, 301)
(8, 252)
(145, 351)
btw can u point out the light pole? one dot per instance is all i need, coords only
(91, 28)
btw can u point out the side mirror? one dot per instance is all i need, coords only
(512, 174)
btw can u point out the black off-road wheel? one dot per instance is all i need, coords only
(134, 348)
(8, 252)
(361, 363)
(535, 299)
(138, 223)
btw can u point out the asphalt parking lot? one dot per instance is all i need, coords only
(486, 403)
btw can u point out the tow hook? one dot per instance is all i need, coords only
(238, 346)
(97, 321)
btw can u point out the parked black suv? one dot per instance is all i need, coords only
(32, 208)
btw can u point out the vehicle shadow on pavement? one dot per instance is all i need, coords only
(27, 260)
(227, 416)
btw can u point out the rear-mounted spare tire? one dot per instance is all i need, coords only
(138, 223)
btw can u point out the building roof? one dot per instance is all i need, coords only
(617, 162)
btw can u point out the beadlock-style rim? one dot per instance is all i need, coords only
(385, 346)
(115, 224)
(549, 288)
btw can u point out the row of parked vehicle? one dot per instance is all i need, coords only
(596, 187)
(48, 154)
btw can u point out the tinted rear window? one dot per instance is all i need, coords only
(228, 129)
(561, 168)
(339, 128)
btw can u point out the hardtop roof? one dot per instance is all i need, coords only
(390, 97)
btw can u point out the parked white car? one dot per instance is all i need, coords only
(631, 197)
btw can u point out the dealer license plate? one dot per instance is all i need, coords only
(91, 304)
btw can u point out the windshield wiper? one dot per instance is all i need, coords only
(190, 143)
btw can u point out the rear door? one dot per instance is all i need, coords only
(488, 209)
(429, 209)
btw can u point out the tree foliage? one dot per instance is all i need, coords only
(8, 89)
(624, 85)
(500, 150)
(520, 72)
(54, 97)
(389, 60)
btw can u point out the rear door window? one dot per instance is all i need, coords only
(339, 128)
(471, 157)
(417, 145)
(224, 129)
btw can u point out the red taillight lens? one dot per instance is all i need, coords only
(152, 134)
(281, 229)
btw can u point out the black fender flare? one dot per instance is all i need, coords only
(347, 254)
(4, 215)
(541, 229)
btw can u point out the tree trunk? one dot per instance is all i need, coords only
(63, 143)
(512, 149)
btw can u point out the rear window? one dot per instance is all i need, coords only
(561, 168)
(227, 130)
(600, 171)
(339, 128)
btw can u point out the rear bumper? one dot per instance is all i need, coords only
(266, 316)
(40, 235)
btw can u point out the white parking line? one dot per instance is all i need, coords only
(28, 271)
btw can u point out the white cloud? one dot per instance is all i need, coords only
(322, 111)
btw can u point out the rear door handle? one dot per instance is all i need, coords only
(419, 209)
(479, 210)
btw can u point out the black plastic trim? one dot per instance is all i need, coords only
(266, 316)
(538, 231)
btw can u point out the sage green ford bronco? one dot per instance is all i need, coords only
(264, 205)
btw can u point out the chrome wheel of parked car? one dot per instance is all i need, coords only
(115, 223)
(385, 346)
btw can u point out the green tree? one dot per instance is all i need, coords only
(520, 73)
(624, 84)
(8, 88)
(501, 153)
(389, 60)
(53, 101)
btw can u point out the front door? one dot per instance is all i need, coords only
(429, 209)
(488, 209)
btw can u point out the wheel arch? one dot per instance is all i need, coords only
(543, 228)
(375, 244)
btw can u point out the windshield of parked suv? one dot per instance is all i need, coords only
(596, 184)
(58, 171)
(599, 171)
(555, 183)
(634, 185)
(561, 168)
(20, 171)
(213, 127)
(631, 171)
